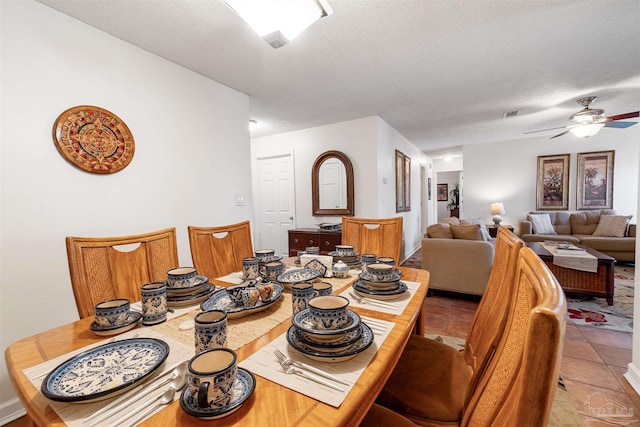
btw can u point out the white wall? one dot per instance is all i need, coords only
(370, 144)
(191, 135)
(506, 172)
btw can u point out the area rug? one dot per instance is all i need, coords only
(594, 311)
(591, 311)
(563, 411)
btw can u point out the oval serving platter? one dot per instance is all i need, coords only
(105, 371)
(220, 301)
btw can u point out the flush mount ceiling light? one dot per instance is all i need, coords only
(279, 21)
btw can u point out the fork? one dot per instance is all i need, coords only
(373, 302)
(288, 369)
(289, 361)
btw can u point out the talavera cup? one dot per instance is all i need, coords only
(211, 377)
(112, 312)
(301, 293)
(250, 268)
(210, 330)
(322, 288)
(153, 297)
(181, 277)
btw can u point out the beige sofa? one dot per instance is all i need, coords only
(578, 227)
(456, 264)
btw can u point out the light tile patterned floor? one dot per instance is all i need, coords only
(593, 362)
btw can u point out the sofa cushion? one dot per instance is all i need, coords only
(483, 228)
(439, 231)
(466, 232)
(609, 245)
(541, 224)
(586, 222)
(450, 220)
(612, 226)
(559, 219)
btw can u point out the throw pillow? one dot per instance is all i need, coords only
(466, 232)
(541, 224)
(483, 228)
(450, 220)
(439, 231)
(612, 226)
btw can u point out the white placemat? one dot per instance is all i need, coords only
(74, 414)
(395, 306)
(265, 364)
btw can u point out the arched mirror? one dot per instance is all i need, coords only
(332, 184)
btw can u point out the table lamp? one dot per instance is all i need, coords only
(497, 209)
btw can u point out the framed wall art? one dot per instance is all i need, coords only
(403, 182)
(552, 186)
(443, 192)
(93, 139)
(595, 180)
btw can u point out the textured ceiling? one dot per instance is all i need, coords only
(441, 72)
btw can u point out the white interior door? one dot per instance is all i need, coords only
(276, 207)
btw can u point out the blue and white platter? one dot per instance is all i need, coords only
(366, 339)
(242, 389)
(105, 371)
(131, 322)
(298, 275)
(220, 301)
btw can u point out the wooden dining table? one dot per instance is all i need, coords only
(270, 405)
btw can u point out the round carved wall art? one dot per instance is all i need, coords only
(93, 139)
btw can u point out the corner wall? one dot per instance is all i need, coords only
(191, 157)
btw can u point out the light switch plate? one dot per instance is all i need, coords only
(239, 199)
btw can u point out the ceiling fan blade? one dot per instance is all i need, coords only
(619, 125)
(544, 130)
(624, 116)
(560, 134)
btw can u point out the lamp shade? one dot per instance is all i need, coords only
(585, 131)
(497, 209)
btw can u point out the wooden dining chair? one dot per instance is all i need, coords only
(518, 385)
(218, 251)
(104, 268)
(453, 376)
(382, 237)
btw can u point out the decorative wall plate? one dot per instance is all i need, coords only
(93, 139)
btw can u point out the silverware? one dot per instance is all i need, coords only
(282, 357)
(177, 379)
(288, 369)
(163, 399)
(361, 300)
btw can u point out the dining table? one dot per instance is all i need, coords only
(271, 403)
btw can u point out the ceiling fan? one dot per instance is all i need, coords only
(589, 120)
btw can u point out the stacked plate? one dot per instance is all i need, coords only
(329, 345)
(370, 286)
(187, 296)
(349, 258)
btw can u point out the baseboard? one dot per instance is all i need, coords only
(410, 252)
(11, 410)
(633, 376)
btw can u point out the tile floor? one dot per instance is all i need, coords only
(593, 360)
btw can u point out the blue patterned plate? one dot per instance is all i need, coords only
(132, 321)
(366, 339)
(105, 371)
(302, 320)
(398, 289)
(199, 281)
(343, 342)
(242, 389)
(298, 275)
(220, 301)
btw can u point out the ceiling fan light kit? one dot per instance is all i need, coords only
(591, 120)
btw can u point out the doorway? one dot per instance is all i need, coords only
(276, 203)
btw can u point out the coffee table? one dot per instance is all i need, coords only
(581, 282)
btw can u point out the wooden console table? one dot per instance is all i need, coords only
(301, 238)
